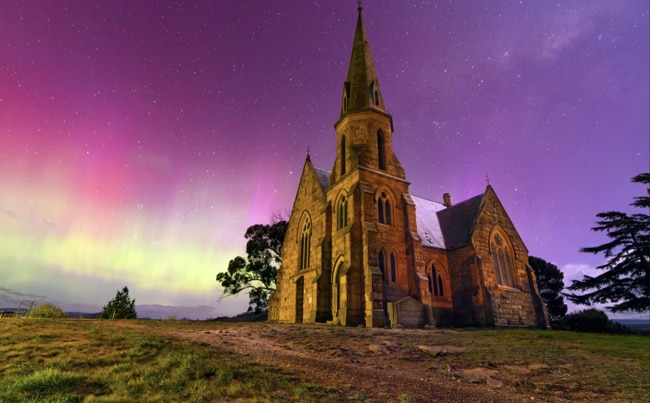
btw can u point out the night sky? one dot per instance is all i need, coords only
(139, 139)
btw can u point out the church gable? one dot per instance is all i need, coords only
(308, 222)
(491, 215)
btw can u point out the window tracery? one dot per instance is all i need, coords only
(436, 281)
(501, 256)
(383, 209)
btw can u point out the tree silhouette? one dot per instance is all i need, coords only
(256, 274)
(626, 277)
(120, 307)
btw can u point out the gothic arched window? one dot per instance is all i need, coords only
(383, 209)
(436, 281)
(382, 264)
(342, 213)
(501, 256)
(381, 150)
(305, 243)
(343, 155)
(393, 273)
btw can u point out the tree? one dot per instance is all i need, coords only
(550, 281)
(120, 307)
(626, 277)
(256, 274)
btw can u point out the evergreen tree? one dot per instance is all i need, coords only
(626, 277)
(120, 307)
(256, 274)
(550, 281)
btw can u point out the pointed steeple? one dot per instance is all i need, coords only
(361, 89)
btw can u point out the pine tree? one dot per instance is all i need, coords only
(626, 277)
(120, 307)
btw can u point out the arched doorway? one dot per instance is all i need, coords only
(339, 293)
(300, 292)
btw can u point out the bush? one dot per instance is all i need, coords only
(593, 321)
(588, 320)
(47, 311)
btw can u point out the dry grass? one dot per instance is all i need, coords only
(73, 360)
(68, 360)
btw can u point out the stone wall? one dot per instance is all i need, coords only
(310, 199)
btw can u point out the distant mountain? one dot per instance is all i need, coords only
(155, 311)
(84, 315)
(638, 325)
(244, 317)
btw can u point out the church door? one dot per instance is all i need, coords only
(339, 295)
(300, 292)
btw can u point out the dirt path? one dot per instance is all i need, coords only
(367, 364)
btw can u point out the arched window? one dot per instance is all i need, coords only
(342, 213)
(382, 264)
(381, 150)
(305, 243)
(501, 257)
(336, 289)
(383, 209)
(342, 155)
(436, 282)
(393, 274)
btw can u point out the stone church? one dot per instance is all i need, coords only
(361, 250)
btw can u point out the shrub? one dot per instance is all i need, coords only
(47, 311)
(591, 320)
(588, 320)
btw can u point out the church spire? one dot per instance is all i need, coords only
(361, 89)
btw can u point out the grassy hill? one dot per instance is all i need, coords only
(69, 360)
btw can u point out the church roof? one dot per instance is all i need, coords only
(323, 177)
(426, 215)
(457, 222)
(446, 227)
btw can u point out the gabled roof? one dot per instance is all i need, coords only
(458, 221)
(323, 177)
(427, 221)
(446, 227)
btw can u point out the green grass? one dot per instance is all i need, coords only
(601, 364)
(75, 360)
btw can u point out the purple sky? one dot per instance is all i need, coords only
(139, 139)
